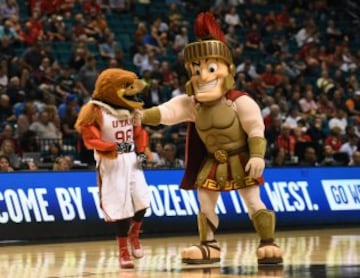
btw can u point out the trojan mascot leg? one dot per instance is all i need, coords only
(208, 251)
(264, 223)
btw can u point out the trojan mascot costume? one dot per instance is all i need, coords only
(107, 126)
(225, 142)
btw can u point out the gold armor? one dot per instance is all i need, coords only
(227, 146)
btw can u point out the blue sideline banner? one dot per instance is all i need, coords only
(42, 205)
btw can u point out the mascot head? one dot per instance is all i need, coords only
(118, 88)
(208, 61)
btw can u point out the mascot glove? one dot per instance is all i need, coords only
(141, 160)
(255, 167)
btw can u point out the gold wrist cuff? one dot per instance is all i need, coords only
(257, 146)
(151, 116)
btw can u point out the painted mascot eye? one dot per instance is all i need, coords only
(197, 70)
(128, 85)
(212, 67)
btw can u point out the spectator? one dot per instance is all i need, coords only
(328, 157)
(339, 120)
(109, 48)
(232, 39)
(44, 128)
(232, 18)
(83, 29)
(310, 158)
(179, 65)
(286, 141)
(140, 56)
(179, 87)
(300, 135)
(31, 60)
(6, 111)
(56, 28)
(270, 79)
(150, 64)
(8, 149)
(307, 34)
(78, 59)
(278, 158)
(8, 32)
(99, 23)
(275, 112)
(29, 164)
(350, 147)
(353, 104)
(316, 130)
(91, 7)
(325, 84)
(34, 30)
(61, 164)
(14, 91)
(70, 135)
(8, 8)
(7, 133)
(181, 39)
(355, 159)
(170, 159)
(334, 139)
(325, 107)
(87, 75)
(332, 31)
(5, 165)
(253, 39)
(153, 96)
(248, 68)
(65, 82)
(293, 117)
(307, 103)
(28, 115)
(54, 152)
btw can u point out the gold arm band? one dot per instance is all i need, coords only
(151, 116)
(257, 146)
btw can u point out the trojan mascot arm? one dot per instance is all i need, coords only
(115, 90)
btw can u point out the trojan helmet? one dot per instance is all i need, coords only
(210, 44)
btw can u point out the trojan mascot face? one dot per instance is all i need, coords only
(208, 61)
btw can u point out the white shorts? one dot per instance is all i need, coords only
(122, 186)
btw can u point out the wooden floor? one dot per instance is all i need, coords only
(308, 253)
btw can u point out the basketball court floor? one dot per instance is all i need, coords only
(307, 253)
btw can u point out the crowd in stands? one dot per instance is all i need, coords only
(300, 60)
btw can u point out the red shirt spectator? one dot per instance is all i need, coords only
(269, 78)
(301, 136)
(254, 39)
(334, 139)
(286, 141)
(91, 7)
(50, 6)
(282, 18)
(30, 35)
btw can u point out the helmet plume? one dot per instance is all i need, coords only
(206, 27)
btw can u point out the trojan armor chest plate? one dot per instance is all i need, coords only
(219, 127)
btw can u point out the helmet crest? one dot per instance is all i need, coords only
(206, 27)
